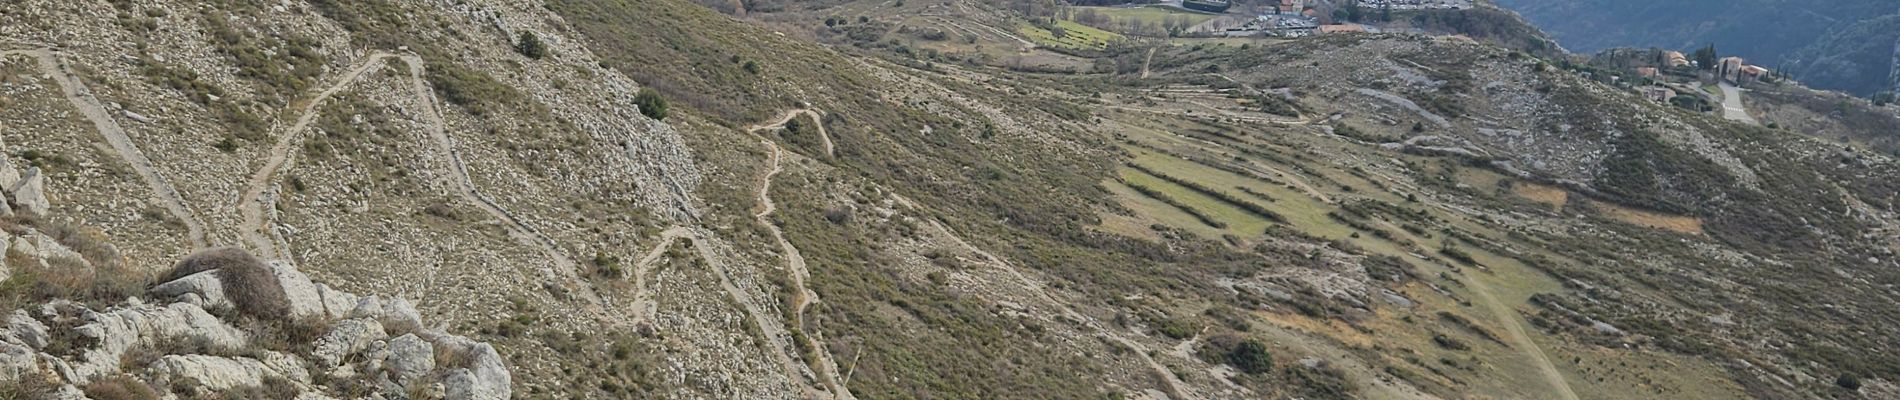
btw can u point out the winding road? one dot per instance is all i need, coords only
(76, 93)
(1732, 105)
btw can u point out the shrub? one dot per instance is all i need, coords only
(120, 387)
(248, 282)
(1848, 381)
(651, 104)
(1251, 356)
(530, 45)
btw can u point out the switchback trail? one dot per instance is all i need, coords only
(802, 296)
(76, 93)
(645, 307)
(786, 118)
(565, 267)
(253, 202)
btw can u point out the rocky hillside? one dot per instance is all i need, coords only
(652, 199)
(82, 323)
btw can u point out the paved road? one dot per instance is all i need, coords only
(1732, 105)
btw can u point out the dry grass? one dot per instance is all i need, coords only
(1555, 197)
(120, 387)
(1652, 219)
(247, 280)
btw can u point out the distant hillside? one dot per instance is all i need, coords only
(1839, 45)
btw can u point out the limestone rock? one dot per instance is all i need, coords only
(347, 338)
(410, 358)
(395, 314)
(16, 361)
(29, 195)
(23, 329)
(482, 377)
(119, 330)
(337, 304)
(213, 372)
(306, 301)
(206, 286)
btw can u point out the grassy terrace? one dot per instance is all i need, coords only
(1075, 36)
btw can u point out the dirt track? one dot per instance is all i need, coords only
(76, 92)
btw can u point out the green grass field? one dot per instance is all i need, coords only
(1075, 36)
(1149, 14)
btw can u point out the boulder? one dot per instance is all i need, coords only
(23, 329)
(204, 289)
(211, 372)
(337, 304)
(119, 330)
(29, 195)
(347, 338)
(481, 375)
(17, 361)
(306, 301)
(410, 358)
(395, 314)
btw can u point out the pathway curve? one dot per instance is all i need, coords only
(253, 203)
(1732, 105)
(567, 269)
(76, 93)
(802, 296)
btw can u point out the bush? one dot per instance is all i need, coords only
(651, 104)
(1251, 357)
(120, 387)
(530, 45)
(248, 282)
(1848, 381)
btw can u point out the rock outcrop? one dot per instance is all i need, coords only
(192, 341)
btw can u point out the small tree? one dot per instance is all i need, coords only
(1251, 357)
(530, 45)
(651, 104)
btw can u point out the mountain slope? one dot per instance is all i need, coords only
(1821, 43)
(1345, 216)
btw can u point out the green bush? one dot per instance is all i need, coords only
(651, 104)
(530, 45)
(1251, 356)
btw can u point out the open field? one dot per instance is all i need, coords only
(1153, 14)
(1074, 36)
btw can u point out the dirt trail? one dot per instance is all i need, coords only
(1175, 389)
(786, 118)
(1146, 61)
(643, 305)
(802, 298)
(76, 93)
(566, 268)
(251, 204)
(254, 201)
(1513, 329)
